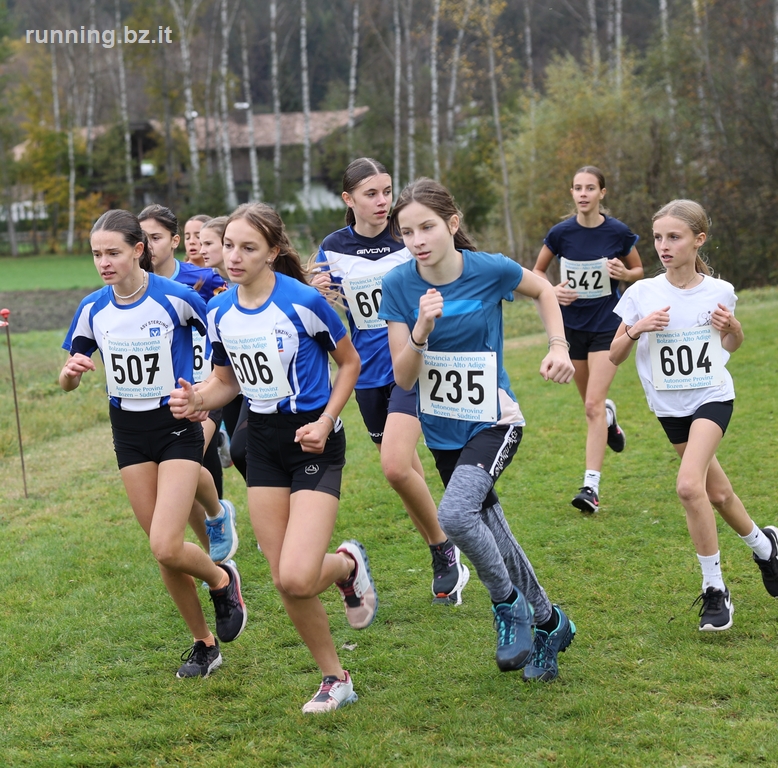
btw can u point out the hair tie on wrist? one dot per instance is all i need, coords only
(558, 340)
(416, 347)
(626, 330)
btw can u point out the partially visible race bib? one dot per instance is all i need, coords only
(137, 369)
(459, 385)
(202, 364)
(364, 300)
(689, 358)
(589, 279)
(257, 366)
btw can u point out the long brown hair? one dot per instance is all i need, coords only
(437, 198)
(216, 224)
(693, 215)
(268, 223)
(128, 226)
(161, 215)
(358, 170)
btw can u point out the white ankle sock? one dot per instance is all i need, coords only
(222, 510)
(759, 543)
(592, 480)
(711, 571)
(609, 417)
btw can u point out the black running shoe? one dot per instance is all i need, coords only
(716, 610)
(769, 567)
(616, 438)
(229, 607)
(587, 500)
(449, 576)
(200, 660)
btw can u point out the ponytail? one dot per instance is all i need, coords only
(128, 226)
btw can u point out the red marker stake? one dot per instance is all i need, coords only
(4, 323)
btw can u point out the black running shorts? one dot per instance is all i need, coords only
(376, 403)
(677, 427)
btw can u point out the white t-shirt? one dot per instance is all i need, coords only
(690, 308)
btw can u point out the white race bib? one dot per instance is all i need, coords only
(459, 385)
(689, 358)
(589, 279)
(202, 365)
(138, 369)
(257, 366)
(364, 300)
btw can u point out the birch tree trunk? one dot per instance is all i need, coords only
(396, 170)
(671, 101)
(90, 93)
(306, 105)
(410, 91)
(256, 191)
(276, 100)
(498, 129)
(775, 71)
(55, 89)
(705, 142)
(8, 190)
(209, 108)
(128, 174)
(352, 77)
(434, 130)
(530, 67)
(184, 22)
(71, 150)
(231, 197)
(169, 167)
(594, 45)
(452, 87)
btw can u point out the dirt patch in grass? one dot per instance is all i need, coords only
(41, 310)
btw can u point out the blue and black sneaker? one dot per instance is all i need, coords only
(222, 533)
(548, 645)
(513, 622)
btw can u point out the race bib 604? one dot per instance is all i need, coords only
(689, 358)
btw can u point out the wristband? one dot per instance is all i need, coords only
(420, 348)
(558, 340)
(331, 418)
(626, 330)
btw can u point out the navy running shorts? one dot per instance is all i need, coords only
(584, 342)
(376, 403)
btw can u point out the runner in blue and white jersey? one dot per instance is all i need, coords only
(212, 518)
(595, 252)
(444, 311)
(685, 327)
(142, 325)
(273, 336)
(355, 259)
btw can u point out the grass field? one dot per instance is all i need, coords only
(91, 641)
(26, 273)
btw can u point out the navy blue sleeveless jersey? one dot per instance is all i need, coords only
(612, 240)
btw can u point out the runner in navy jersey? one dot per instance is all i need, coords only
(444, 311)
(685, 328)
(212, 518)
(595, 252)
(354, 260)
(142, 325)
(273, 336)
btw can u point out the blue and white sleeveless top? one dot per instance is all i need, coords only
(279, 351)
(471, 325)
(358, 264)
(146, 346)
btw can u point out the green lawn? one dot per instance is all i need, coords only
(29, 273)
(91, 641)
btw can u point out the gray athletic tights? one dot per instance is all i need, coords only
(485, 537)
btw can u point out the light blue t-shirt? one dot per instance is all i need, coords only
(471, 322)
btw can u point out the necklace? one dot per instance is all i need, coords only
(683, 285)
(134, 293)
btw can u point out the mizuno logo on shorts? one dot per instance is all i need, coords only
(180, 432)
(311, 469)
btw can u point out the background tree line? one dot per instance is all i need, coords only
(500, 99)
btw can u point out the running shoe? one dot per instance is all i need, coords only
(548, 645)
(229, 606)
(769, 567)
(716, 610)
(222, 533)
(587, 500)
(616, 437)
(223, 448)
(513, 622)
(333, 694)
(358, 590)
(200, 660)
(449, 576)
